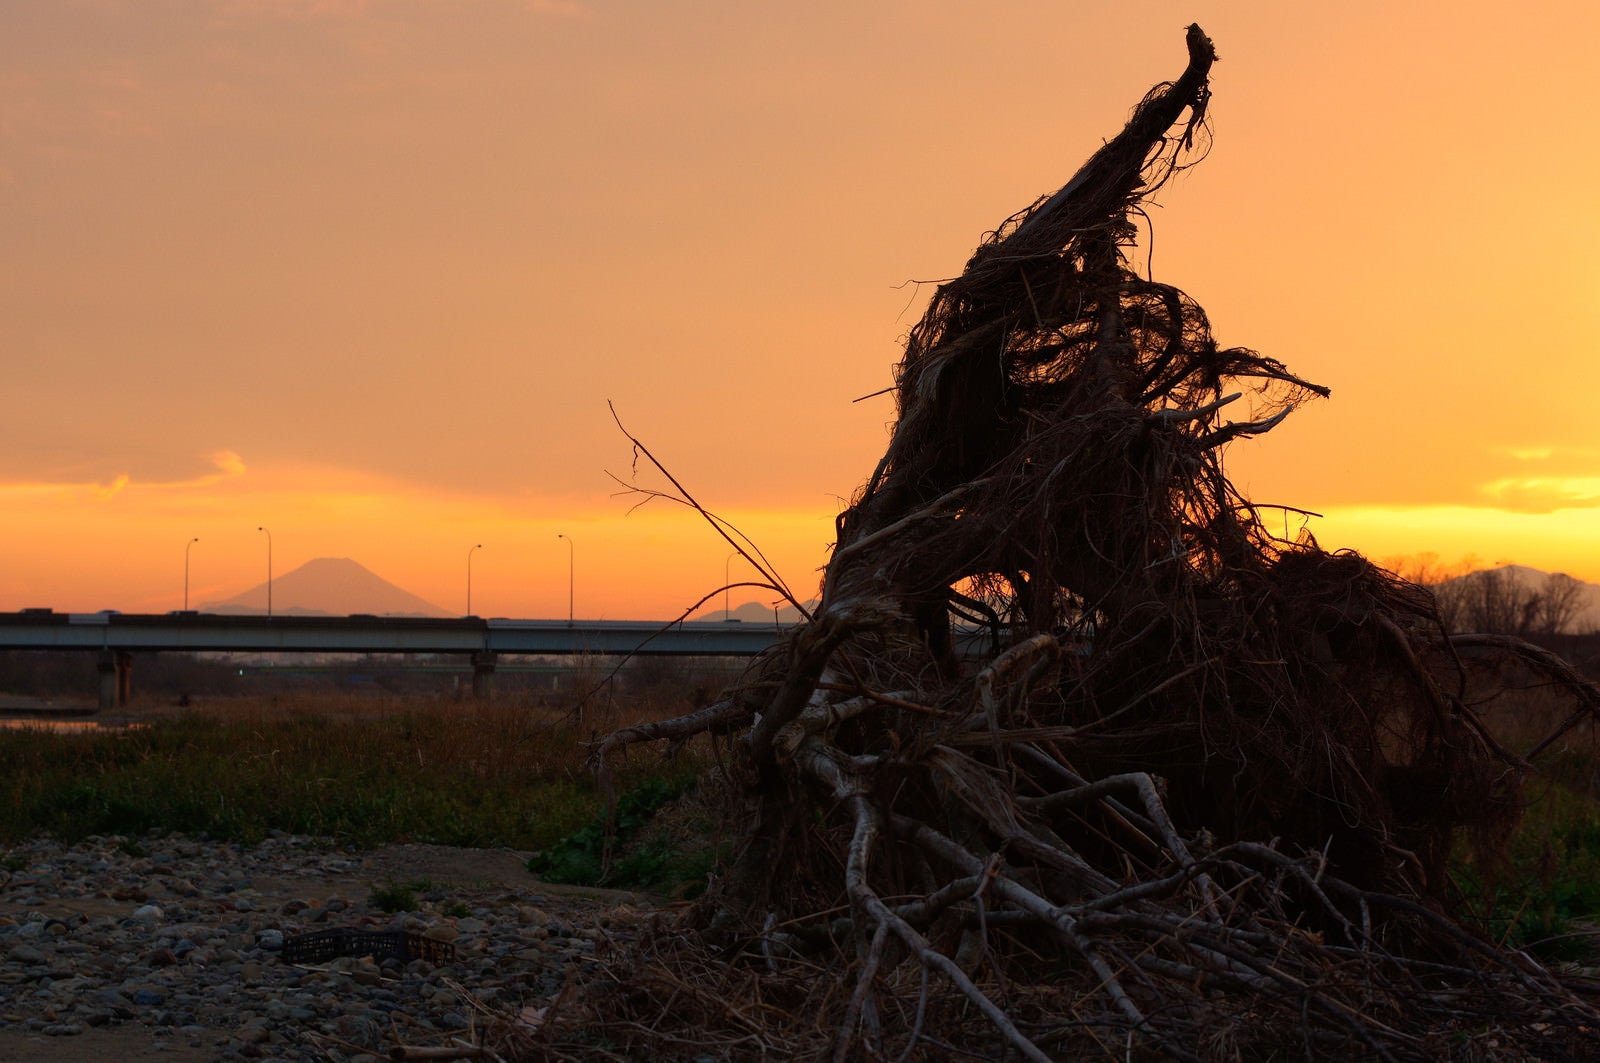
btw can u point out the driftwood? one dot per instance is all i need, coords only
(1195, 794)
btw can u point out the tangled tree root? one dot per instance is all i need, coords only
(1191, 789)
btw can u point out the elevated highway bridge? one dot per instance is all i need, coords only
(117, 636)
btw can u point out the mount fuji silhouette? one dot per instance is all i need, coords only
(328, 586)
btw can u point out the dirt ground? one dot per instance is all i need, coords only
(468, 873)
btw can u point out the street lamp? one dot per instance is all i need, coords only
(186, 548)
(469, 577)
(269, 569)
(571, 554)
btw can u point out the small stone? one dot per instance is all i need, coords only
(254, 1033)
(147, 913)
(358, 1030)
(271, 940)
(113, 999)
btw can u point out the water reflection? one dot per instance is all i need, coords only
(38, 723)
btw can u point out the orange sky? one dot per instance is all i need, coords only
(367, 273)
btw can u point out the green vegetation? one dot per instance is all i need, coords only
(620, 851)
(1547, 899)
(363, 772)
(397, 896)
(1545, 896)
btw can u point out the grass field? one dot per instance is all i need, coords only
(358, 769)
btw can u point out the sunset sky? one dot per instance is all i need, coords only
(368, 273)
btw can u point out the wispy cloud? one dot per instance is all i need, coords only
(225, 465)
(1544, 494)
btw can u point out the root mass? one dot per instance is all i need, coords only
(1076, 757)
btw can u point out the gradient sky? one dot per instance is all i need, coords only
(368, 273)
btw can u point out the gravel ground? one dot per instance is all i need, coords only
(173, 949)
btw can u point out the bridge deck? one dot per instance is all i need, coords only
(194, 632)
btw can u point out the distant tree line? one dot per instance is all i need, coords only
(1495, 600)
(75, 673)
(180, 676)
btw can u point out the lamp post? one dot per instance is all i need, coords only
(571, 580)
(269, 569)
(186, 548)
(469, 577)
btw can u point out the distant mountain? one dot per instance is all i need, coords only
(1586, 607)
(328, 586)
(754, 613)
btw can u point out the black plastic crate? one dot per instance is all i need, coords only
(320, 946)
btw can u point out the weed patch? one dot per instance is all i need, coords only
(608, 851)
(396, 897)
(1546, 899)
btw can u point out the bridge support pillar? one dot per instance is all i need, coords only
(124, 678)
(116, 678)
(107, 666)
(483, 674)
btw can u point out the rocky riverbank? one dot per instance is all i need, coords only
(173, 948)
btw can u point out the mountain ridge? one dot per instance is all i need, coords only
(755, 613)
(328, 586)
(1585, 615)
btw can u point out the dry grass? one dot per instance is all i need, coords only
(359, 769)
